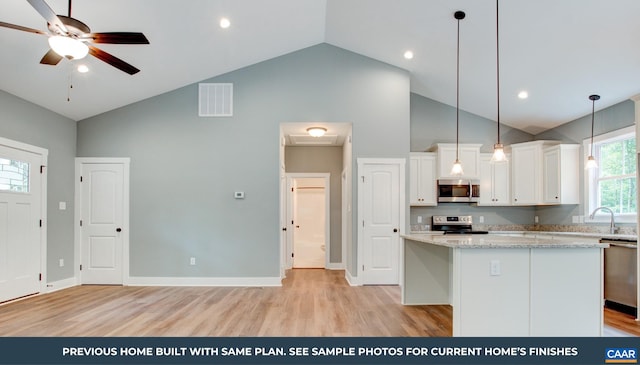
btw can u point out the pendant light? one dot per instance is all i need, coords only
(456, 169)
(591, 161)
(498, 148)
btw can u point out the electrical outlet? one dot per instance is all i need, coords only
(192, 261)
(536, 220)
(61, 263)
(495, 269)
(481, 219)
(419, 219)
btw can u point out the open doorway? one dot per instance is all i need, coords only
(310, 217)
(303, 155)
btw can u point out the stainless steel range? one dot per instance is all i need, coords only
(459, 224)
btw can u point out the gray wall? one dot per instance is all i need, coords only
(184, 169)
(606, 120)
(25, 122)
(323, 159)
(434, 122)
(428, 128)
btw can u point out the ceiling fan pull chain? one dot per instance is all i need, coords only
(70, 86)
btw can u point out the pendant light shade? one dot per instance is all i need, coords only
(456, 169)
(591, 161)
(498, 148)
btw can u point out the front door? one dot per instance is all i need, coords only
(20, 222)
(380, 208)
(103, 221)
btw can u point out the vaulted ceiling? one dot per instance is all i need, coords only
(560, 52)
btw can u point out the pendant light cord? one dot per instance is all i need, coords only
(498, 68)
(593, 108)
(458, 89)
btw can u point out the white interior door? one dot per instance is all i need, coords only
(21, 217)
(104, 224)
(381, 195)
(309, 239)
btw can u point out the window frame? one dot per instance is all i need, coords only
(590, 195)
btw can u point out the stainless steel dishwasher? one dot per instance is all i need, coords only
(620, 274)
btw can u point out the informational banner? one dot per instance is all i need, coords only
(321, 350)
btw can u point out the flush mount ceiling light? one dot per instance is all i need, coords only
(456, 169)
(225, 23)
(68, 47)
(316, 131)
(591, 161)
(523, 94)
(408, 55)
(498, 148)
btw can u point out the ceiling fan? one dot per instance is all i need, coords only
(71, 38)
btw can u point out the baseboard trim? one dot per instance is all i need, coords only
(335, 266)
(60, 284)
(203, 281)
(352, 280)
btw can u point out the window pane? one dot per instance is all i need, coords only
(611, 158)
(14, 175)
(618, 194)
(629, 159)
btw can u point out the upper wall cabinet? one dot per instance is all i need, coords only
(495, 182)
(560, 174)
(540, 173)
(468, 154)
(422, 179)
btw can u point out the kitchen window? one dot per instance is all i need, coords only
(613, 183)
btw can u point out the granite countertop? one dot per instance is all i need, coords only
(502, 241)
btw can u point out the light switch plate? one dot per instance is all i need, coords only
(62, 205)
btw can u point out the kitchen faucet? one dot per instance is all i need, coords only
(612, 225)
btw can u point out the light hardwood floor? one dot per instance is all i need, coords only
(311, 302)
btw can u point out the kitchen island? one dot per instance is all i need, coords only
(502, 285)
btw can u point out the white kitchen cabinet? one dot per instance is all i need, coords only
(468, 154)
(422, 179)
(544, 172)
(495, 182)
(560, 174)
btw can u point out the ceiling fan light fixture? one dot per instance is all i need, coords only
(68, 47)
(316, 131)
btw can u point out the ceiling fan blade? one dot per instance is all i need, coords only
(51, 58)
(112, 60)
(20, 27)
(48, 14)
(116, 38)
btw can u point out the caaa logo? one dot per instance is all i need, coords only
(621, 356)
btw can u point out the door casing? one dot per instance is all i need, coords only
(43, 153)
(80, 161)
(327, 229)
(361, 162)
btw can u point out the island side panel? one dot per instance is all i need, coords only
(491, 302)
(427, 270)
(566, 292)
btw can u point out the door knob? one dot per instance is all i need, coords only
(395, 230)
(118, 229)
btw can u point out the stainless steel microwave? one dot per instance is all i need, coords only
(458, 191)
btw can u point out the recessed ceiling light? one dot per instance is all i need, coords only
(408, 55)
(225, 23)
(523, 94)
(83, 68)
